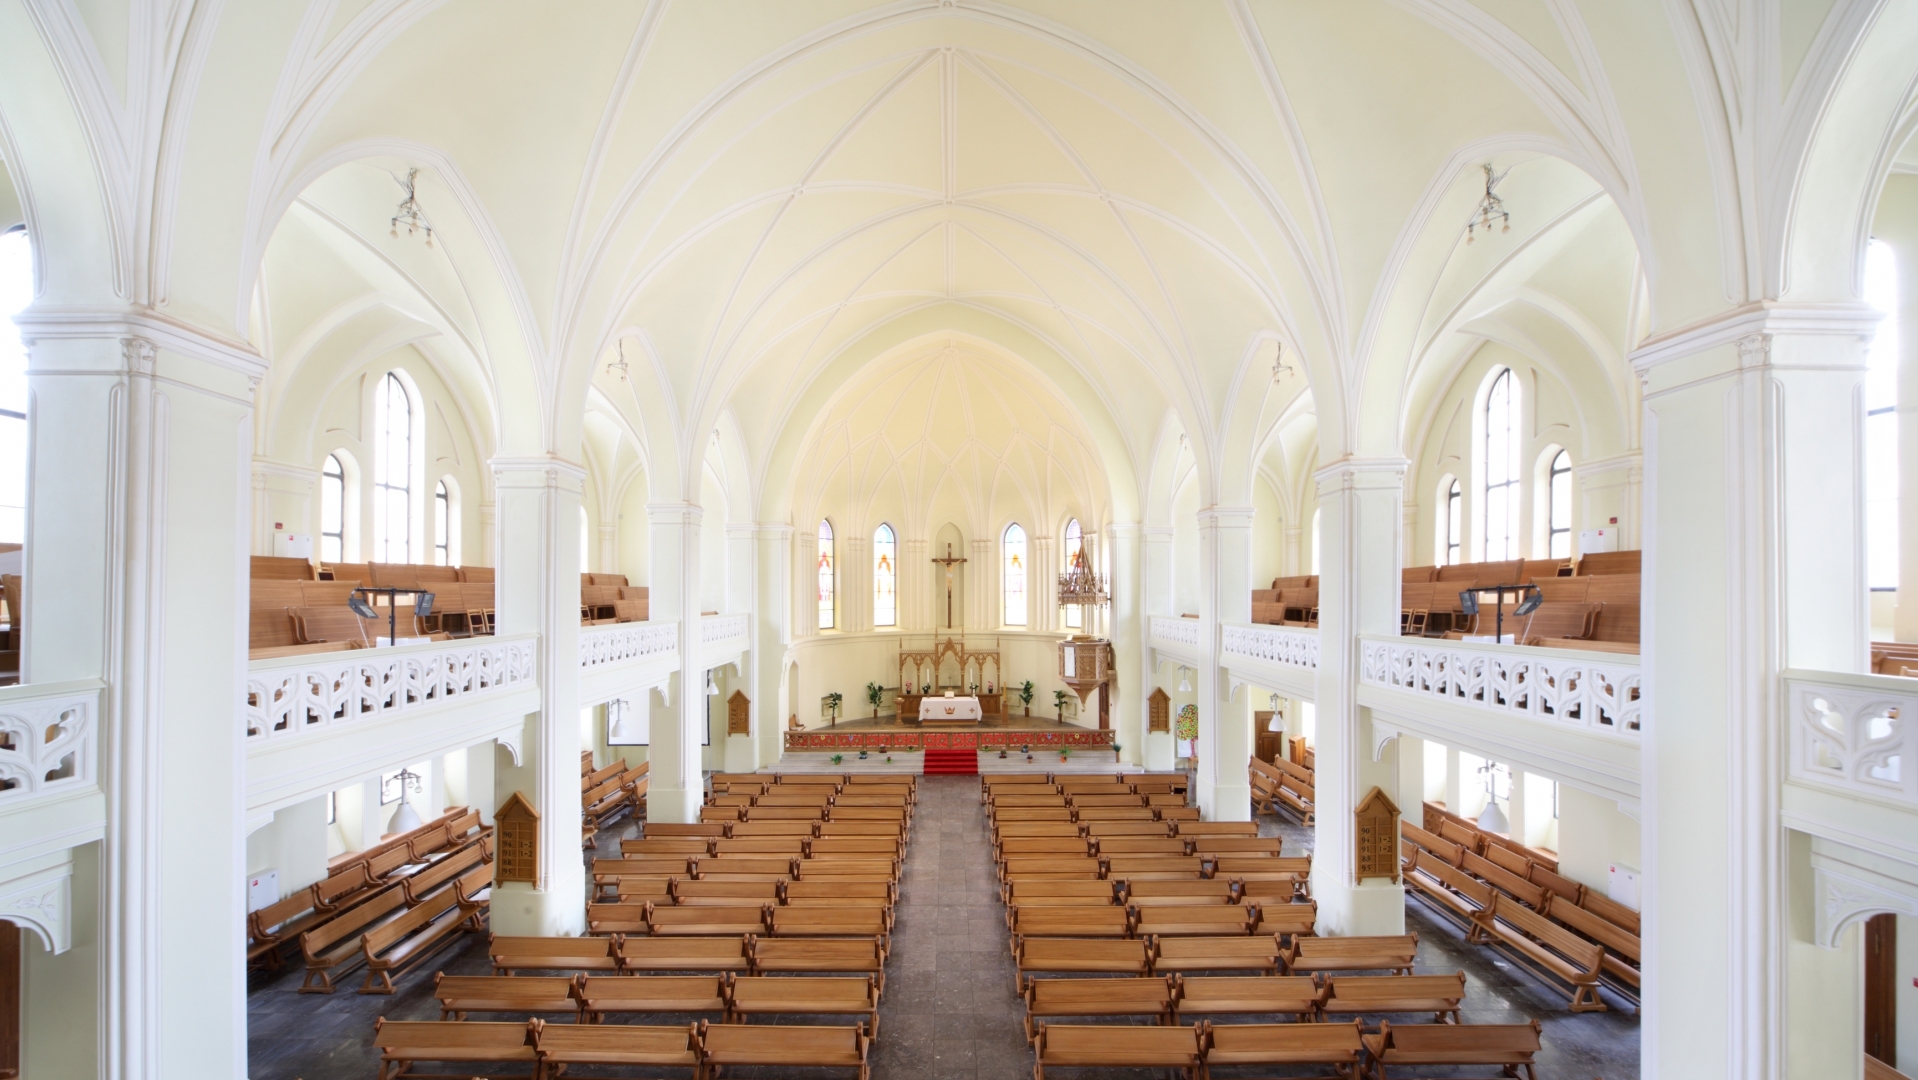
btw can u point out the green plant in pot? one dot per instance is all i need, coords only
(1059, 699)
(875, 694)
(1065, 754)
(833, 701)
(1025, 695)
(837, 758)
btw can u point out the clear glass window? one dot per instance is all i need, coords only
(1013, 552)
(16, 292)
(885, 577)
(1501, 468)
(1559, 491)
(825, 576)
(1454, 519)
(332, 511)
(1881, 421)
(442, 525)
(393, 490)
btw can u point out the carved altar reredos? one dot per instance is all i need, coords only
(948, 664)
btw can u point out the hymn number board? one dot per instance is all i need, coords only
(517, 825)
(739, 714)
(1159, 711)
(1376, 828)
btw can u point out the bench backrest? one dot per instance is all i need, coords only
(350, 923)
(1583, 954)
(1614, 938)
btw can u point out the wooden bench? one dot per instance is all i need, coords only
(844, 920)
(1365, 995)
(671, 829)
(1339, 1046)
(1147, 867)
(845, 956)
(1057, 892)
(651, 954)
(1512, 1047)
(786, 1046)
(1252, 952)
(1448, 887)
(460, 995)
(512, 954)
(444, 871)
(1503, 880)
(332, 949)
(623, 918)
(1099, 997)
(1191, 920)
(685, 847)
(1287, 920)
(1095, 921)
(707, 920)
(710, 893)
(1432, 842)
(848, 867)
(745, 868)
(1150, 892)
(1112, 1046)
(817, 893)
(602, 995)
(1175, 813)
(1211, 995)
(638, 890)
(1087, 867)
(1312, 954)
(1042, 847)
(1090, 814)
(1079, 956)
(750, 829)
(753, 995)
(869, 846)
(1191, 829)
(1143, 845)
(1102, 830)
(403, 1044)
(396, 947)
(1621, 946)
(1546, 947)
(577, 1049)
(1240, 846)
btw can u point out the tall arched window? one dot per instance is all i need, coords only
(16, 291)
(1075, 560)
(1013, 584)
(1501, 468)
(1454, 522)
(1881, 421)
(442, 525)
(332, 511)
(1558, 487)
(393, 472)
(885, 577)
(826, 584)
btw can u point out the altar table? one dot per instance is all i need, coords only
(942, 710)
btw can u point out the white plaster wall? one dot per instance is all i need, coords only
(1907, 979)
(1268, 535)
(54, 1041)
(847, 662)
(1593, 834)
(1185, 549)
(294, 843)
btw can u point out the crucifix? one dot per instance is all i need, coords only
(948, 562)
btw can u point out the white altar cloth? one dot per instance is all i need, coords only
(942, 710)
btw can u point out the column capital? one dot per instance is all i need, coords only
(1750, 326)
(544, 468)
(1361, 472)
(1159, 533)
(674, 513)
(1225, 517)
(158, 331)
(264, 467)
(1126, 530)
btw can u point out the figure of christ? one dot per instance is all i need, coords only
(949, 562)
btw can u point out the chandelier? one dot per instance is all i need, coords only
(409, 212)
(618, 367)
(1080, 587)
(1490, 207)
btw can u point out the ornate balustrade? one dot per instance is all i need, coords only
(291, 695)
(1599, 692)
(1179, 635)
(603, 645)
(724, 633)
(1290, 646)
(49, 739)
(1850, 732)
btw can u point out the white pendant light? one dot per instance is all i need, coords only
(1277, 722)
(405, 818)
(1492, 819)
(621, 731)
(1185, 684)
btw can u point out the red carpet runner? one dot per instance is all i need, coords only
(952, 763)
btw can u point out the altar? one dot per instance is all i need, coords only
(947, 710)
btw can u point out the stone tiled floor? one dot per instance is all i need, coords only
(949, 1010)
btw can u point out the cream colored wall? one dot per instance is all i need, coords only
(1906, 977)
(54, 1041)
(1268, 534)
(1185, 549)
(1592, 835)
(847, 662)
(294, 843)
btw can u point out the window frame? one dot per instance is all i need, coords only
(442, 524)
(1014, 572)
(1454, 524)
(1555, 474)
(385, 535)
(885, 576)
(1506, 490)
(338, 501)
(826, 577)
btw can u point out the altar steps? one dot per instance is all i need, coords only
(952, 763)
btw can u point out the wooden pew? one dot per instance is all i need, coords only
(668, 829)
(1143, 845)
(849, 956)
(1099, 997)
(1145, 867)
(1188, 920)
(460, 995)
(445, 870)
(1314, 954)
(746, 830)
(684, 847)
(866, 846)
(397, 947)
(1438, 881)
(841, 867)
(843, 920)
(332, 949)
(512, 954)
(752, 995)
(1546, 947)
(1147, 892)
(1102, 830)
(1512, 1047)
(708, 893)
(634, 891)
(1339, 1046)
(1087, 867)
(1236, 846)
(1252, 952)
(578, 1049)
(787, 1046)
(707, 920)
(652, 954)
(1288, 921)
(1110, 1046)
(1208, 995)
(818, 893)
(1079, 956)
(1054, 921)
(404, 1044)
(606, 919)
(1365, 995)
(1191, 829)
(1503, 880)
(602, 995)
(1057, 892)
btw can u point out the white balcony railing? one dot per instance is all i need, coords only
(1854, 733)
(1180, 634)
(291, 695)
(622, 642)
(49, 739)
(1291, 646)
(724, 633)
(1597, 692)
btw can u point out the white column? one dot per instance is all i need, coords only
(855, 591)
(1131, 681)
(1754, 432)
(1360, 530)
(1225, 720)
(609, 545)
(772, 633)
(136, 550)
(1156, 584)
(538, 592)
(677, 784)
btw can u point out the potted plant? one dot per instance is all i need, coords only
(875, 693)
(1059, 702)
(1028, 751)
(837, 758)
(1065, 754)
(833, 701)
(1025, 695)
(862, 754)
(1002, 753)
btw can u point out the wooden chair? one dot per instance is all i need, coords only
(1313, 954)
(463, 994)
(839, 956)
(404, 1044)
(708, 920)
(1252, 952)
(786, 1046)
(1079, 956)
(579, 1051)
(1211, 995)
(1365, 995)
(401, 945)
(1099, 997)
(652, 954)
(603, 995)
(1111, 1046)
(1545, 947)
(752, 995)
(512, 954)
(1339, 1046)
(1192, 920)
(1512, 1047)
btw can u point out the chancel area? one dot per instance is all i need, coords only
(946, 538)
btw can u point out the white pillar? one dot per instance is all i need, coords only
(677, 784)
(609, 545)
(136, 550)
(1754, 437)
(855, 591)
(538, 592)
(805, 583)
(771, 633)
(1225, 719)
(1042, 591)
(1359, 533)
(1131, 679)
(1156, 584)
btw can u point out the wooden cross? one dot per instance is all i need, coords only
(948, 562)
